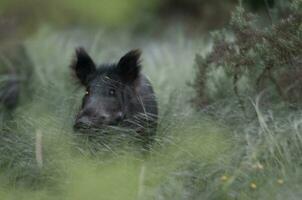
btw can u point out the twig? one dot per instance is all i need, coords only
(278, 88)
(268, 11)
(141, 182)
(236, 91)
(39, 155)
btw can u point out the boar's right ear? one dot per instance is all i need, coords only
(83, 66)
(129, 66)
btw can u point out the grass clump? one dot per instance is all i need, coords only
(251, 82)
(111, 166)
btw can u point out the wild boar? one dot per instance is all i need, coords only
(117, 94)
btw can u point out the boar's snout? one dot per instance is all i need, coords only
(82, 122)
(97, 121)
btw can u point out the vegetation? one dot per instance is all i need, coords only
(255, 58)
(251, 81)
(239, 140)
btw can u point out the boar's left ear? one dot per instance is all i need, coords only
(83, 66)
(129, 66)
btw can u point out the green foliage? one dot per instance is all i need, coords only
(254, 58)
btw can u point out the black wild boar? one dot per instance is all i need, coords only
(15, 73)
(116, 95)
(9, 92)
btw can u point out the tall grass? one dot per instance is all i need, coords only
(210, 154)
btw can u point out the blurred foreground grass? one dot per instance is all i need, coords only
(196, 155)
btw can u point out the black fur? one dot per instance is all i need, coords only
(83, 66)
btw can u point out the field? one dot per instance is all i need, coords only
(211, 153)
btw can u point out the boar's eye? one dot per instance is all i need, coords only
(87, 92)
(111, 92)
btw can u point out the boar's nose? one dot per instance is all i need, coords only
(82, 122)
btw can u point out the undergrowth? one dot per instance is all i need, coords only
(213, 153)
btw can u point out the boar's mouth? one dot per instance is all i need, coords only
(97, 129)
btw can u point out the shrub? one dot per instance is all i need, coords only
(249, 58)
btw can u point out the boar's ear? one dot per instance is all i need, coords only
(83, 66)
(129, 66)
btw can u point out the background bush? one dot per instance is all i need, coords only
(250, 58)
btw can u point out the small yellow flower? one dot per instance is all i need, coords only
(253, 185)
(280, 181)
(224, 178)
